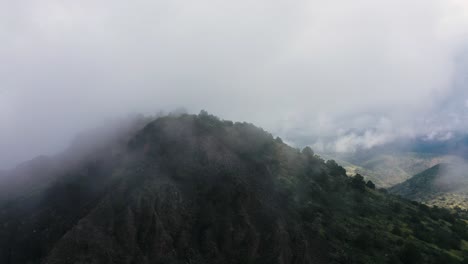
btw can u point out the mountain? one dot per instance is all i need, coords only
(388, 168)
(197, 189)
(442, 185)
(392, 163)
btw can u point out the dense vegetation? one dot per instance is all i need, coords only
(197, 189)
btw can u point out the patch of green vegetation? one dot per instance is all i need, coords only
(365, 225)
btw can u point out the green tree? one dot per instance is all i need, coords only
(335, 169)
(308, 152)
(370, 185)
(358, 183)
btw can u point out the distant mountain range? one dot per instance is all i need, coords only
(428, 171)
(388, 168)
(395, 162)
(444, 185)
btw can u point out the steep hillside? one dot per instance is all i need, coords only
(197, 189)
(443, 185)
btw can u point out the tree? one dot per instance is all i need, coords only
(370, 185)
(308, 152)
(335, 169)
(358, 183)
(203, 113)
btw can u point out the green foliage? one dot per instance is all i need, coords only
(358, 183)
(410, 254)
(396, 207)
(370, 185)
(308, 152)
(397, 231)
(359, 223)
(335, 169)
(236, 176)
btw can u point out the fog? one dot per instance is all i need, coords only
(331, 74)
(452, 177)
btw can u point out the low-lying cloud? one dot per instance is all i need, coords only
(364, 72)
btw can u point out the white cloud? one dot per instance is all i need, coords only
(300, 69)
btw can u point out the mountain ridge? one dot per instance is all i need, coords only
(198, 189)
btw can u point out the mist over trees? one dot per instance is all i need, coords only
(199, 189)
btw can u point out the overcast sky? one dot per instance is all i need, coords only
(363, 72)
